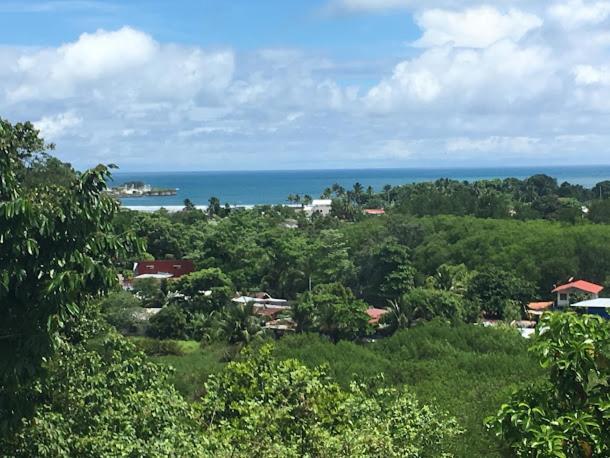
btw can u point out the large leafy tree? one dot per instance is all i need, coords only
(333, 310)
(205, 290)
(569, 415)
(56, 252)
(110, 401)
(262, 406)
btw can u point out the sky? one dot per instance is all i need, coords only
(310, 84)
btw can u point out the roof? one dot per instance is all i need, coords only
(174, 267)
(581, 285)
(593, 303)
(321, 202)
(539, 305)
(374, 211)
(375, 314)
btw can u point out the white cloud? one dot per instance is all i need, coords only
(474, 27)
(588, 75)
(53, 127)
(126, 65)
(502, 76)
(578, 13)
(493, 144)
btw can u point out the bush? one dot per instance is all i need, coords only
(169, 323)
(154, 347)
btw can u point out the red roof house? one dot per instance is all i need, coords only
(172, 268)
(575, 287)
(375, 314)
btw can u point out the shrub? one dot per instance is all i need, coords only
(155, 347)
(169, 323)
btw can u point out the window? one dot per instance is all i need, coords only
(563, 297)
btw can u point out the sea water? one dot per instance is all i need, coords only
(273, 187)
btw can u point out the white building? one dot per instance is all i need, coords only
(321, 206)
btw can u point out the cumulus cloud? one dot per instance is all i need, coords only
(474, 27)
(588, 75)
(53, 127)
(499, 77)
(578, 13)
(126, 63)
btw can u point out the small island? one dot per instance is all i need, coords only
(140, 189)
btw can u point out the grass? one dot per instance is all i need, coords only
(193, 368)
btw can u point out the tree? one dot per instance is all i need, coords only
(119, 309)
(109, 402)
(204, 290)
(492, 288)
(422, 304)
(261, 406)
(150, 291)
(239, 325)
(169, 323)
(214, 208)
(568, 415)
(335, 312)
(329, 258)
(454, 278)
(387, 272)
(56, 253)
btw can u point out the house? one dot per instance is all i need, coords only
(375, 315)
(565, 293)
(162, 269)
(600, 307)
(321, 206)
(373, 211)
(535, 309)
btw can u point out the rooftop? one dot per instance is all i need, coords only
(580, 285)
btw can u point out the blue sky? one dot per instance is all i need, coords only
(269, 84)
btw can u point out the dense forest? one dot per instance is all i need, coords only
(86, 371)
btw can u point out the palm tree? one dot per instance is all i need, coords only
(326, 194)
(239, 325)
(307, 199)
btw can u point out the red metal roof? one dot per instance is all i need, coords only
(176, 267)
(581, 285)
(375, 314)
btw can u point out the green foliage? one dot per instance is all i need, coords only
(386, 272)
(205, 290)
(155, 347)
(493, 289)
(169, 323)
(266, 407)
(56, 252)
(239, 325)
(119, 309)
(468, 370)
(569, 415)
(422, 304)
(111, 403)
(150, 291)
(333, 310)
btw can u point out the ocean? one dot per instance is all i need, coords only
(272, 187)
